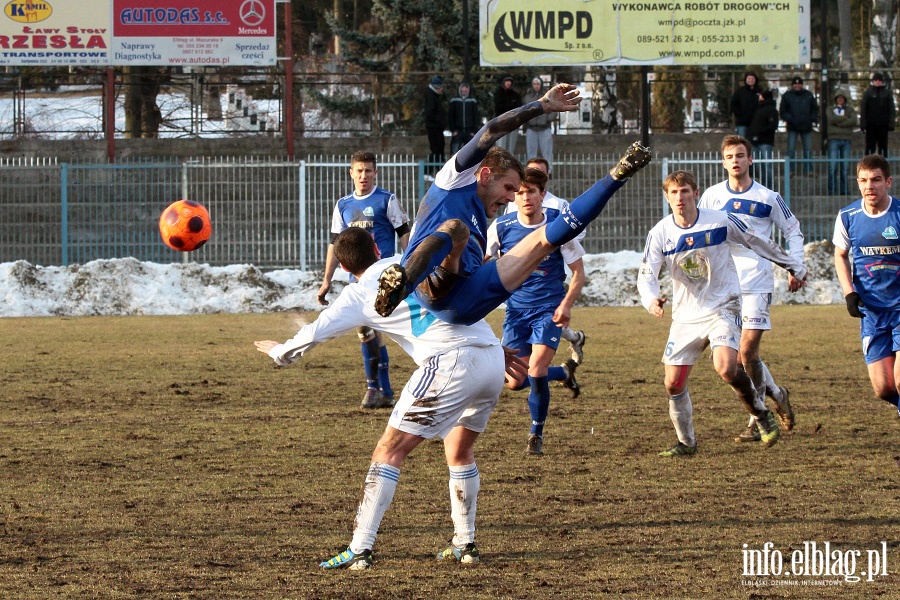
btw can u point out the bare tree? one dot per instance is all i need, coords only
(882, 36)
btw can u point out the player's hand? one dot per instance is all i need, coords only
(516, 367)
(562, 316)
(795, 284)
(323, 291)
(562, 97)
(656, 308)
(854, 302)
(265, 345)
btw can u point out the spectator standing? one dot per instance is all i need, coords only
(761, 132)
(800, 111)
(436, 120)
(744, 103)
(876, 115)
(842, 120)
(464, 119)
(538, 131)
(506, 99)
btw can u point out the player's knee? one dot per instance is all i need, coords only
(366, 334)
(456, 229)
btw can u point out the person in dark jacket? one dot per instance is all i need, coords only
(744, 103)
(506, 99)
(464, 119)
(761, 133)
(842, 121)
(436, 120)
(876, 115)
(800, 111)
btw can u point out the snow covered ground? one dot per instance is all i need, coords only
(130, 287)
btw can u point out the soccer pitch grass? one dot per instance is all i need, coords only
(164, 457)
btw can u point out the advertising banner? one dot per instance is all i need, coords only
(137, 32)
(621, 32)
(55, 32)
(193, 33)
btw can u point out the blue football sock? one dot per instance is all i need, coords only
(370, 355)
(583, 209)
(384, 373)
(538, 403)
(556, 374)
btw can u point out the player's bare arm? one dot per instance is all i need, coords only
(560, 98)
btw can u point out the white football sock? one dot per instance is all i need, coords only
(569, 334)
(682, 414)
(465, 481)
(771, 388)
(378, 492)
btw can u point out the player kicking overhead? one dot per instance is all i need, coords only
(760, 209)
(537, 311)
(443, 263)
(451, 395)
(707, 306)
(866, 261)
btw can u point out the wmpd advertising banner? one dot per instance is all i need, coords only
(138, 32)
(193, 33)
(611, 32)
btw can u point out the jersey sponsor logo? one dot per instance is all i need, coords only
(889, 233)
(369, 211)
(878, 250)
(871, 269)
(694, 265)
(363, 224)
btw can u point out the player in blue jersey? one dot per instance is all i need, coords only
(443, 265)
(451, 395)
(377, 211)
(867, 264)
(761, 210)
(553, 206)
(706, 311)
(536, 311)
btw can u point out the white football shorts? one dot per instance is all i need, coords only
(458, 387)
(688, 340)
(755, 311)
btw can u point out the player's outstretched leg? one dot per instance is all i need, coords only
(635, 158)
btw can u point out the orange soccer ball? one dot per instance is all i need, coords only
(185, 225)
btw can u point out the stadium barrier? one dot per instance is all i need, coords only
(277, 213)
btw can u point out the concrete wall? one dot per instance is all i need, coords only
(96, 150)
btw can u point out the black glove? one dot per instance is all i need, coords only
(853, 303)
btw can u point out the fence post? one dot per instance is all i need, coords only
(301, 179)
(665, 173)
(64, 214)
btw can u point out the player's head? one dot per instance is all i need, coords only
(681, 192)
(737, 156)
(873, 175)
(499, 177)
(362, 172)
(355, 249)
(530, 197)
(541, 163)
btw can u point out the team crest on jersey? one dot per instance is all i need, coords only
(369, 211)
(889, 233)
(736, 205)
(689, 240)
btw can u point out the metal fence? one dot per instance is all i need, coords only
(277, 213)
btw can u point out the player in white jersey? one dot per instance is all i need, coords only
(761, 210)
(867, 263)
(451, 395)
(707, 302)
(540, 307)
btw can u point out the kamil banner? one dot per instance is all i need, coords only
(55, 32)
(622, 32)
